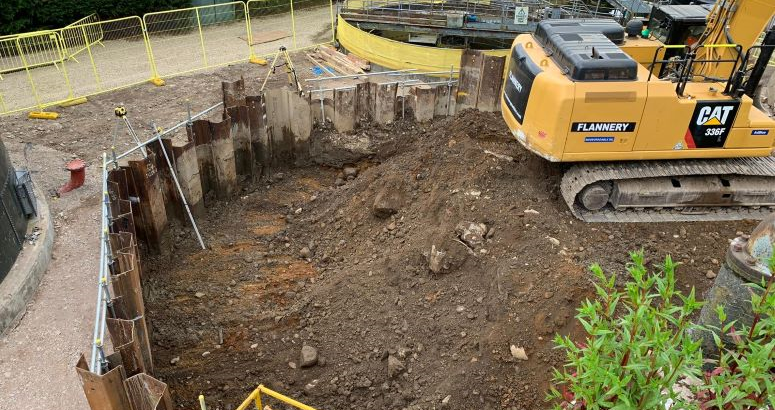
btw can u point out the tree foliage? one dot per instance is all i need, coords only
(18, 16)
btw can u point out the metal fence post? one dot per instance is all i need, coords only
(91, 58)
(293, 25)
(201, 36)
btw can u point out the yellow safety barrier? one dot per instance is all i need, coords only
(87, 34)
(120, 57)
(64, 66)
(295, 24)
(32, 71)
(195, 38)
(255, 399)
(398, 55)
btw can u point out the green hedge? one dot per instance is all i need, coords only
(18, 16)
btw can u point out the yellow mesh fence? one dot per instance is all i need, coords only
(78, 36)
(295, 24)
(32, 71)
(90, 56)
(119, 58)
(190, 39)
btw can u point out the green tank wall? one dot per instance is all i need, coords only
(13, 223)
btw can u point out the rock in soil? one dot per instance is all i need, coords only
(394, 366)
(447, 254)
(518, 352)
(309, 356)
(472, 233)
(389, 199)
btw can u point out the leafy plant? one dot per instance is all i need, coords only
(743, 374)
(637, 346)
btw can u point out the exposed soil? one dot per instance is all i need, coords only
(237, 314)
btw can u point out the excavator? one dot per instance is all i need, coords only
(655, 121)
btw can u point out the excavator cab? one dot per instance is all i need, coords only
(676, 25)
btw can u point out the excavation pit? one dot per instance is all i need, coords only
(299, 258)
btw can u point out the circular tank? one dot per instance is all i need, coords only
(13, 223)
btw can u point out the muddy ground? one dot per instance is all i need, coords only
(302, 259)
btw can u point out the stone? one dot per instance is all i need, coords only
(339, 182)
(554, 241)
(530, 212)
(518, 353)
(292, 365)
(309, 356)
(254, 345)
(472, 233)
(350, 172)
(305, 253)
(447, 255)
(205, 354)
(710, 274)
(389, 199)
(445, 400)
(394, 366)
(199, 294)
(174, 360)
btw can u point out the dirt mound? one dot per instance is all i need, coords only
(341, 260)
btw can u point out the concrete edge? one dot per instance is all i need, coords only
(19, 286)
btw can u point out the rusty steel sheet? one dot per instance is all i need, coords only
(471, 63)
(258, 131)
(345, 110)
(233, 93)
(240, 133)
(123, 335)
(385, 103)
(152, 208)
(364, 108)
(490, 83)
(105, 391)
(187, 168)
(200, 134)
(147, 393)
(222, 146)
(423, 102)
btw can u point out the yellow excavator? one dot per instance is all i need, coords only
(656, 119)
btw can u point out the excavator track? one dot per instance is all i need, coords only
(582, 175)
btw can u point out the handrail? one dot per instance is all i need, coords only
(689, 60)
